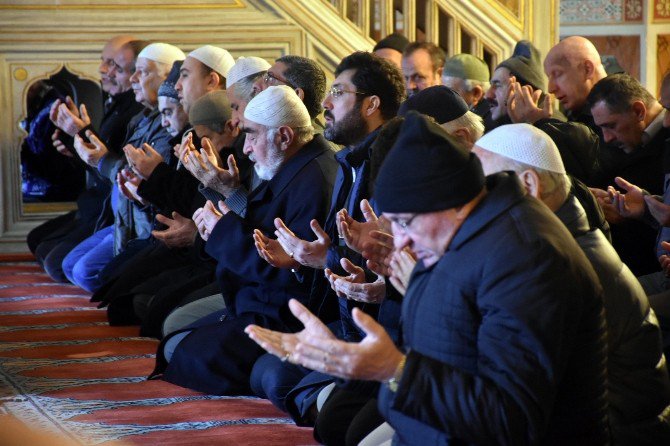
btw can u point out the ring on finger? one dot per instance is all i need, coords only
(286, 357)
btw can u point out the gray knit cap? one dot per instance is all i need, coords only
(466, 66)
(526, 65)
(212, 108)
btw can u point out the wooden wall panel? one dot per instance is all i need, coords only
(625, 48)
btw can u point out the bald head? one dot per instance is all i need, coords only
(573, 67)
(111, 48)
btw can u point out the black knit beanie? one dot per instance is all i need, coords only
(427, 170)
(439, 102)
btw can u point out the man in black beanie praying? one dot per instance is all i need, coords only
(503, 331)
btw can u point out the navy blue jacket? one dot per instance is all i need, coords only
(298, 193)
(505, 334)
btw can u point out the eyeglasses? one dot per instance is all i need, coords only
(337, 92)
(404, 223)
(273, 79)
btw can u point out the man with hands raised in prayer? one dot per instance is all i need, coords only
(63, 233)
(503, 313)
(219, 173)
(213, 355)
(177, 194)
(632, 123)
(84, 264)
(638, 384)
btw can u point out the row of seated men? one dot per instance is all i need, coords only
(391, 259)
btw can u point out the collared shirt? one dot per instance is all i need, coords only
(654, 127)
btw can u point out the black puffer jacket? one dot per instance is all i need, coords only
(506, 334)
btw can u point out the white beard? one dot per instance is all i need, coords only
(274, 161)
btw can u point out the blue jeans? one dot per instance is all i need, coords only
(83, 264)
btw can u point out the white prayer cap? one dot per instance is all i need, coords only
(246, 66)
(524, 143)
(162, 52)
(215, 58)
(276, 106)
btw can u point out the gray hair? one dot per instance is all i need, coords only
(244, 88)
(467, 84)
(301, 135)
(471, 121)
(470, 84)
(553, 183)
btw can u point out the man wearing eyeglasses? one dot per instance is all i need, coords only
(303, 75)
(365, 94)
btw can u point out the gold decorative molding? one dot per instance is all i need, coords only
(121, 4)
(518, 19)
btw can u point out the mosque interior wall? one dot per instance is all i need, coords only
(40, 37)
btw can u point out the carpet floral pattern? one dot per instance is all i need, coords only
(64, 369)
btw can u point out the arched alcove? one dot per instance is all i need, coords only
(48, 177)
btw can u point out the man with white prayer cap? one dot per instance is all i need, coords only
(205, 69)
(217, 357)
(638, 385)
(228, 184)
(240, 83)
(153, 65)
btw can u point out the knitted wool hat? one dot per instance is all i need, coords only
(394, 41)
(526, 65)
(466, 66)
(211, 108)
(277, 106)
(246, 66)
(214, 57)
(162, 52)
(167, 87)
(524, 143)
(439, 102)
(427, 170)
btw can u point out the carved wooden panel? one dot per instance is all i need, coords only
(626, 49)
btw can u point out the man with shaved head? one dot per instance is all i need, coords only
(573, 67)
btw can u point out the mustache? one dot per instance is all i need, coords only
(328, 114)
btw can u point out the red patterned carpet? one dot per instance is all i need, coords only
(63, 369)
